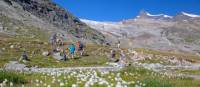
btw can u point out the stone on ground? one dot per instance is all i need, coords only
(57, 56)
(45, 53)
(15, 66)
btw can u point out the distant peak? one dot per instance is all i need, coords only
(144, 14)
(190, 15)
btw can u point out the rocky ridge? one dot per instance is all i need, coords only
(24, 15)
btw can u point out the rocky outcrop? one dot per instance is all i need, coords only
(15, 66)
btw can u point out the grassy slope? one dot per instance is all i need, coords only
(97, 55)
(194, 72)
(186, 56)
(95, 58)
(133, 74)
(30, 45)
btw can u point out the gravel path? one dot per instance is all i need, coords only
(15, 66)
(70, 69)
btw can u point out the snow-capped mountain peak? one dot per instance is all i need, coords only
(166, 16)
(148, 14)
(190, 15)
(145, 14)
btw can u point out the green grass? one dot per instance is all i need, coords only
(13, 77)
(154, 60)
(23, 44)
(41, 61)
(137, 75)
(153, 79)
(189, 57)
(194, 72)
(93, 57)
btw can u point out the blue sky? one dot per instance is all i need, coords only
(116, 10)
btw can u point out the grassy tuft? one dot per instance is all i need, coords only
(16, 78)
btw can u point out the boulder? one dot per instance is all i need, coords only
(57, 56)
(15, 66)
(3, 49)
(12, 46)
(46, 53)
(45, 43)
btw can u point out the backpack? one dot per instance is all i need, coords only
(81, 45)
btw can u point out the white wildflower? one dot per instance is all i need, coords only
(49, 86)
(37, 80)
(37, 85)
(11, 84)
(62, 84)
(74, 85)
(45, 84)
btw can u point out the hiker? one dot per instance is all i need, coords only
(80, 47)
(113, 55)
(65, 52)
(64, 56)
(122, 57)
(53, 42)
(118, 44)
(24, 56)
(72, 49)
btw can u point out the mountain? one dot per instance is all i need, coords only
(144, 14)
(180, 33)
(26, 17)
(183, 16)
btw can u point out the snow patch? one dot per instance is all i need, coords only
(154, 15)
(190, 15)
(166, 16)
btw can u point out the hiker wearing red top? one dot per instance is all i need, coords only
(80, 48)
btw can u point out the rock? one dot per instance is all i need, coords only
(15, 66)
(1, 29)
(57, 56)
(45, 43)
(3, 49)
(153, 66)
(45, 53)
(11, 46)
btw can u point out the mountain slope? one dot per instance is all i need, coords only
(45, 16)
(179, 33)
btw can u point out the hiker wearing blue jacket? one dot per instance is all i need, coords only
(72, 49)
